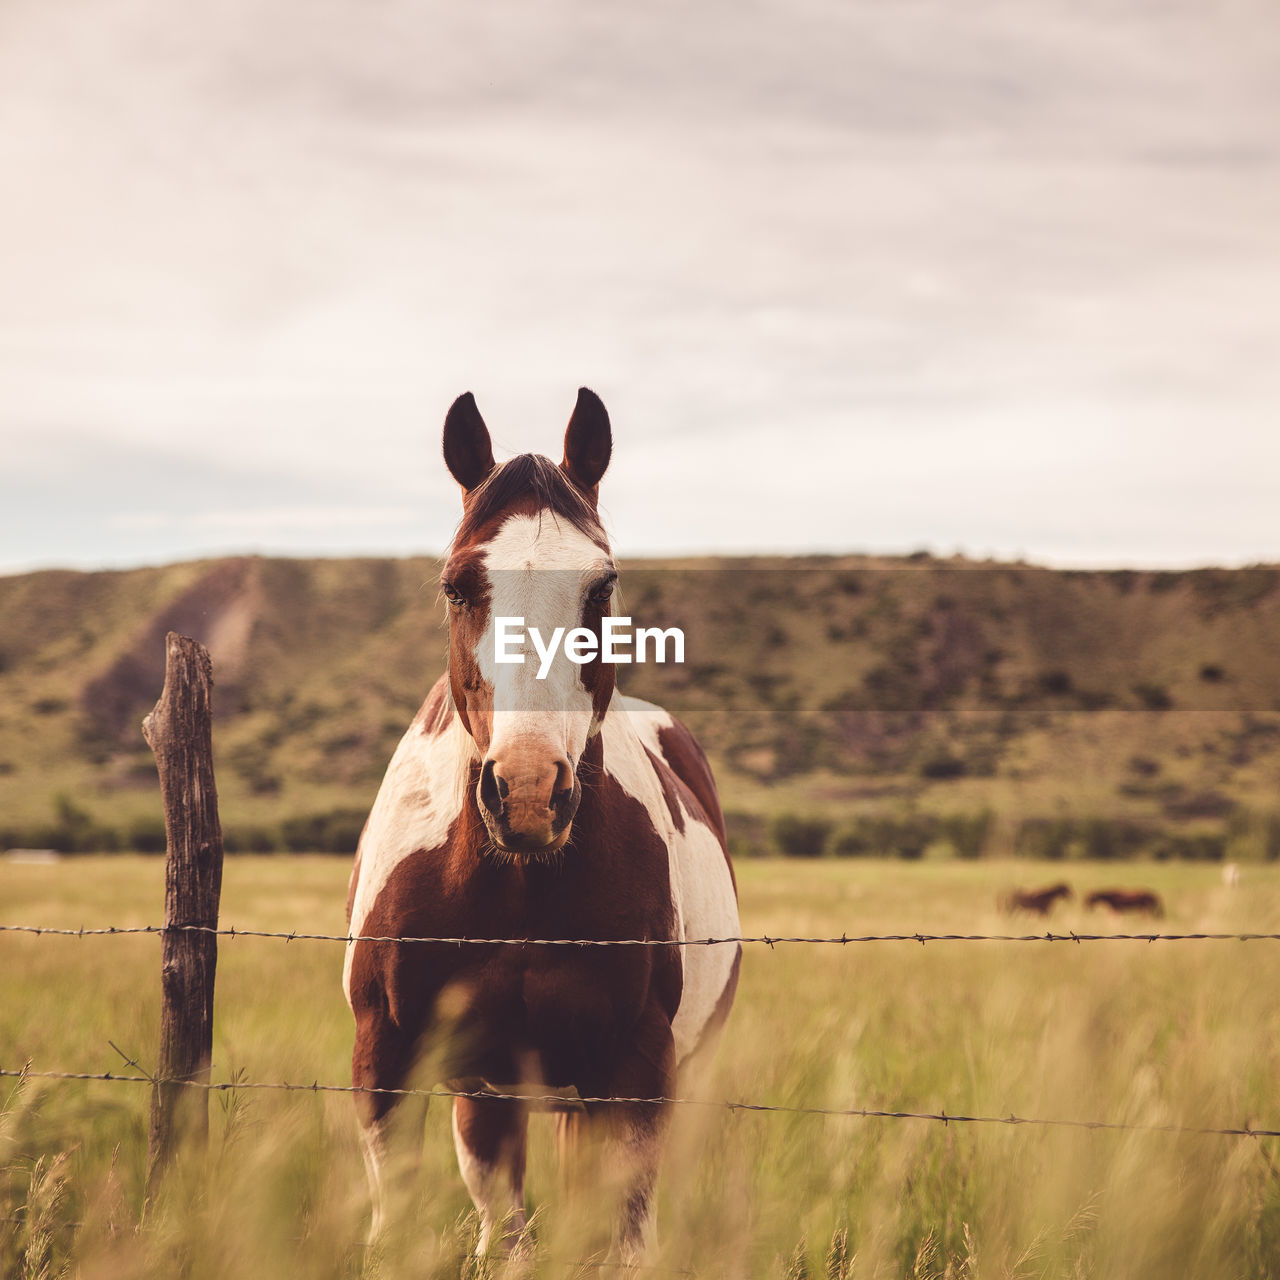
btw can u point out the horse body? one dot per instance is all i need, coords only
(1040, 901)
(646, 862)
(521, 810)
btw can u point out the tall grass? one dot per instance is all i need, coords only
(1131, 1032)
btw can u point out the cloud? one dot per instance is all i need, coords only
(995, 262)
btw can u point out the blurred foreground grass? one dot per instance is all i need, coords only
(1147, 1033)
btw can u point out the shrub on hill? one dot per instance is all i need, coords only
(798, 837)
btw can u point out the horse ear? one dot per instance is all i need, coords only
(588, 442)
(468, 452)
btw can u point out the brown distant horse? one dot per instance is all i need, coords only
(534, 803)
(1040, 901)
(1139, 901)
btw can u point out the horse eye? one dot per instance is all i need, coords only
(602, 591)
(452, 594)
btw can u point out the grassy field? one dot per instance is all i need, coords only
(1127, 1031)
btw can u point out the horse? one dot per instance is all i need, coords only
(1142, 901)
(1041, 901)
(525, 808)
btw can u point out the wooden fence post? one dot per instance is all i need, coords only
(179, 733)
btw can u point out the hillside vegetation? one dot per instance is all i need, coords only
(850, 705)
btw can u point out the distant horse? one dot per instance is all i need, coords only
(1040, 901)
(1139, 901)
(536, 806)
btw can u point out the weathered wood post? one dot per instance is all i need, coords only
(179, 733)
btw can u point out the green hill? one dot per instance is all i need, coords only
(849, 703)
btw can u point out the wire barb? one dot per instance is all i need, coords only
(132, 1062)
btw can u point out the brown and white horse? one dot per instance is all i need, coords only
(525, 808)
(1141, 901)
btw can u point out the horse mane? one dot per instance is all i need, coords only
(531, 476)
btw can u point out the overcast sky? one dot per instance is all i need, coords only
(858, 275)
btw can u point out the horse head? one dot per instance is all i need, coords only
(530, 546)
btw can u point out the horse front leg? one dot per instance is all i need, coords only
(635, 1138)
(635, 1135)
(390, 1123)
(489, 1136)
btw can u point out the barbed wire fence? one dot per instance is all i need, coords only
(1245, 1129)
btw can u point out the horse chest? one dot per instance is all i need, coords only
(557, 999)
(549, 1015)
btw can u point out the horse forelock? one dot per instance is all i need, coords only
(528, 484)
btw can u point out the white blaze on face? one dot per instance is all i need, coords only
(540, 569)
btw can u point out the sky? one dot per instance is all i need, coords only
(1000, 278)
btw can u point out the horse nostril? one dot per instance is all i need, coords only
(493, 790)
(563, 786)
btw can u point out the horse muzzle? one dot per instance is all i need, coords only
(528, 802)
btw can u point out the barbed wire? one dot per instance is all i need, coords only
(1246, 1130)
(769, 940)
